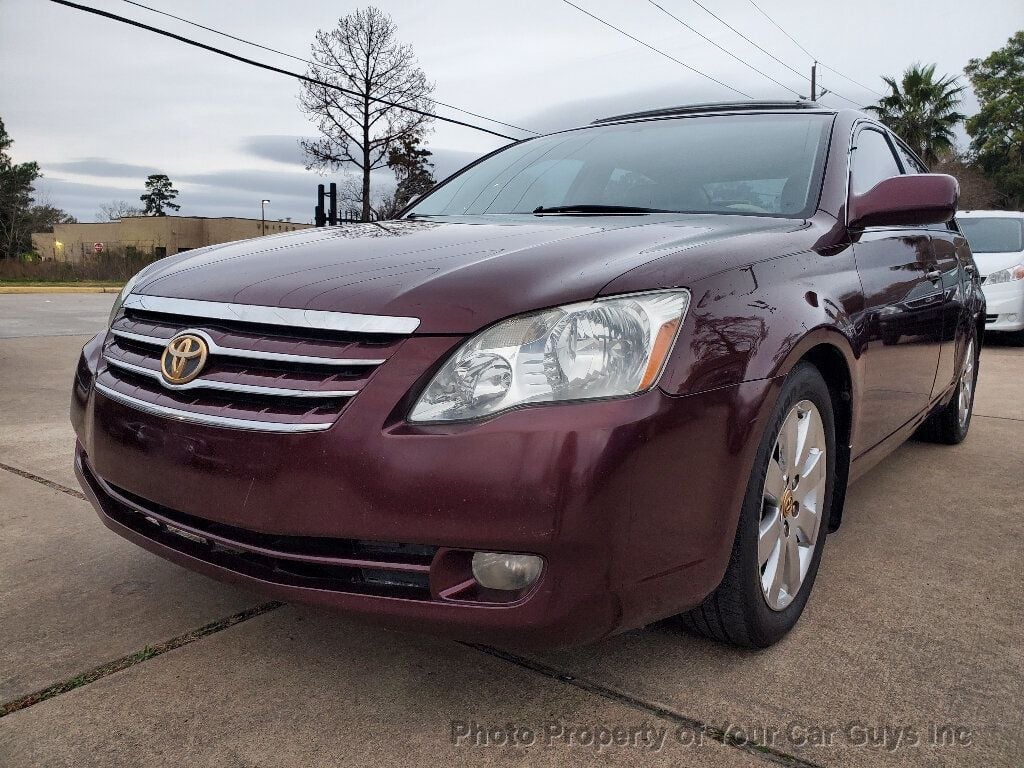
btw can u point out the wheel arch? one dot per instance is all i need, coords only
(829, 351)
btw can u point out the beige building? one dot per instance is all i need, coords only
(152, 235)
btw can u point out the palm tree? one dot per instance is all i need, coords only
(922, 110)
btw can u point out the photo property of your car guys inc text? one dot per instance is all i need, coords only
(563, 382)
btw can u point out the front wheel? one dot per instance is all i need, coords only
(783, 522)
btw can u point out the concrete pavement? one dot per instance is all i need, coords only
(914, 620)
(75, 597)
(302, 688)
(911, 636)
(35, 395)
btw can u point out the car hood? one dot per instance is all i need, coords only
(993, 262)
(456, 275)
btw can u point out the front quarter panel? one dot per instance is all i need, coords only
(757, 321)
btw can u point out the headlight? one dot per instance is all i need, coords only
(595, 349)
(1006, 275)
(119, 301)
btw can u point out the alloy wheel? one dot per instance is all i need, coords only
(966, 385)
(792, 504)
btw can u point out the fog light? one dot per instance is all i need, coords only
(1013, 317)
(497, 570)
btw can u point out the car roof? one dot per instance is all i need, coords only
(714, 107)
(989, 214)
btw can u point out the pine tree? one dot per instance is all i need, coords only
(16, 189)
(160, 194)
(413, 170)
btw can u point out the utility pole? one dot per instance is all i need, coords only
(814, 81)
(319, 215)
(263, 215)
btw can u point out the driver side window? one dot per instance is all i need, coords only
(873, 161)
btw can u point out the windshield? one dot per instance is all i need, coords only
(742, 164)
(993, 235)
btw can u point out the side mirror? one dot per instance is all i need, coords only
(909, 201)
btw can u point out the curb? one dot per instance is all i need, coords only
(6, 289)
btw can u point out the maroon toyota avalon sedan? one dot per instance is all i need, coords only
(595, 379)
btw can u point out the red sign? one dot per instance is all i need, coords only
(97, 247)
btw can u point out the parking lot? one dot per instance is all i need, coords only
(910, 651)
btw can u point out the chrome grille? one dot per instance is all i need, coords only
(261, 374)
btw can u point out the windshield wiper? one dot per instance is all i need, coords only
(592, 208)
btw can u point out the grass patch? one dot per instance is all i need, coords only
(114, 266)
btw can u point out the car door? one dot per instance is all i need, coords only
(956, 269)
(903, 296)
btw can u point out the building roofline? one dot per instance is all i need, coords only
(207, 218)
(201, 218)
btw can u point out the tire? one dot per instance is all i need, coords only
(950, 425)
(739, 610)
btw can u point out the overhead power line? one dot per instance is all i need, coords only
(845, 77)
(656, 50)
(811, 55)
(778, 27)
(767, 53)
(722, 48)
(308, 61)
(271, 68)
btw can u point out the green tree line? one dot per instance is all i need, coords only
(924, 110)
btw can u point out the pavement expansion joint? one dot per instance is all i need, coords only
(43, 481)
(990, 416)
(769, 754)
(149, 652)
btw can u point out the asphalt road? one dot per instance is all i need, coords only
(53, 314)
(910, 651)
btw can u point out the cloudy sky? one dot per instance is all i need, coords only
(101, 105)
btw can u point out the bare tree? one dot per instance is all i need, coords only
(350, 195)
(363, 56)
(388, 207)
(350, 199)
(116, 210)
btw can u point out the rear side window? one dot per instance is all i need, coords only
(910, 163)
(873, 161)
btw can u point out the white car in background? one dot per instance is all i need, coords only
(997, 241)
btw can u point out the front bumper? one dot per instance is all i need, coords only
(632, 503)
(1005, 306)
